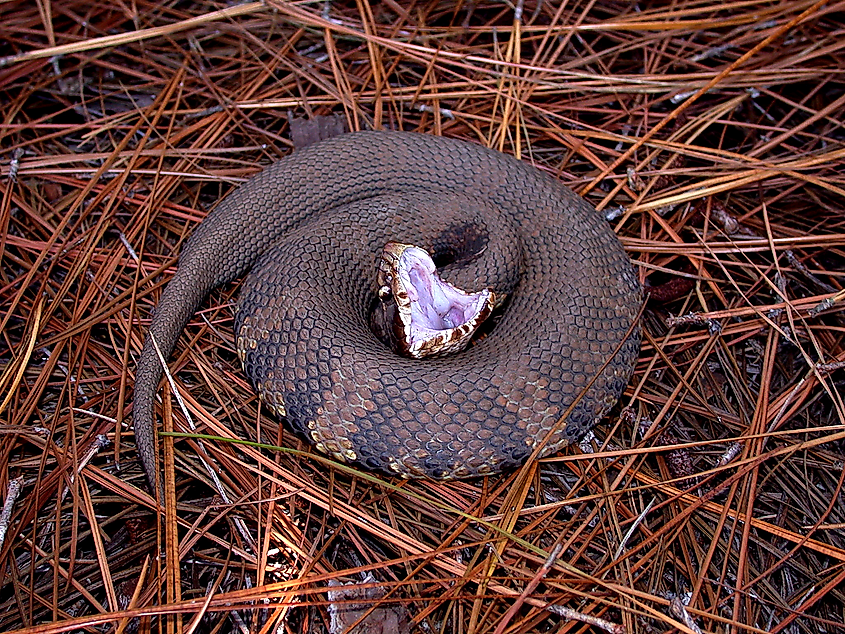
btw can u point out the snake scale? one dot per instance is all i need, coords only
(308, 230)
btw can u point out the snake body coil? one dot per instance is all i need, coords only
(310, 228)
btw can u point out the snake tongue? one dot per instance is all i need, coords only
(433, 317)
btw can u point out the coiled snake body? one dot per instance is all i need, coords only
(310, 228)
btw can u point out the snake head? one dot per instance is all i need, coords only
(432, 317)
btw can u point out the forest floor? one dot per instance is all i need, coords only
(711, 135)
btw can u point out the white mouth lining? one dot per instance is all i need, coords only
(437, 309)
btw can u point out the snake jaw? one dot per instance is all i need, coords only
(433, 317)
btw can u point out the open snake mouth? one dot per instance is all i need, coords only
(432, 316)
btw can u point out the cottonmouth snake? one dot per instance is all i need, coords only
(309, 229)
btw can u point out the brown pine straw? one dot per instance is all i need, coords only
(710, 499)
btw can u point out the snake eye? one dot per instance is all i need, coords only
(384, 292)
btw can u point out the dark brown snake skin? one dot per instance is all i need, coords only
(310, 229)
